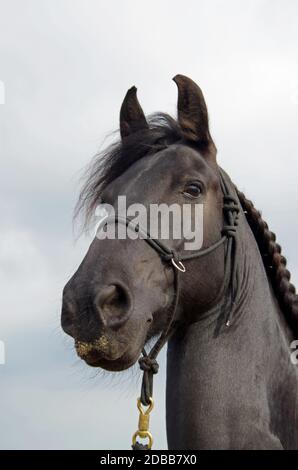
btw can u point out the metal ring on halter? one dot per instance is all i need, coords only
(178, 265)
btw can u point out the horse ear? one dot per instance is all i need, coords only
(132, 117)
(192, 111)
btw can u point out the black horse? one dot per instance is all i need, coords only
(231, 318)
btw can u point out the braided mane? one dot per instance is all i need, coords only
(274, 262)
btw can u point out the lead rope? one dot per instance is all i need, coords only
(149, 366)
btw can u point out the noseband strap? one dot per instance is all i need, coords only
(147, 362)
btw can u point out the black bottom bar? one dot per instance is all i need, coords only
(130, 459)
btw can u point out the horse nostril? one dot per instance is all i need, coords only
(67, 317)
(113, 303)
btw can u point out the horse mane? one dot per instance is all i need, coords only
(275, 263)
(106, 166)
(164, 130)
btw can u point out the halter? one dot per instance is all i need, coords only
(148, 362)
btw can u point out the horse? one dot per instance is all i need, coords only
(228, 311)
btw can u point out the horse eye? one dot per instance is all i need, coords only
(193, 189)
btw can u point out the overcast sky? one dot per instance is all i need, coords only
(66, 66)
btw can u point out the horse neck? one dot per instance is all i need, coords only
(247, 361)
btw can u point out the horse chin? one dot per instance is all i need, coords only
(112, 365)
(107, 355)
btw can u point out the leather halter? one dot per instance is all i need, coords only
(231, 209)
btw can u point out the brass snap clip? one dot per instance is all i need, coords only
(143, 429)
